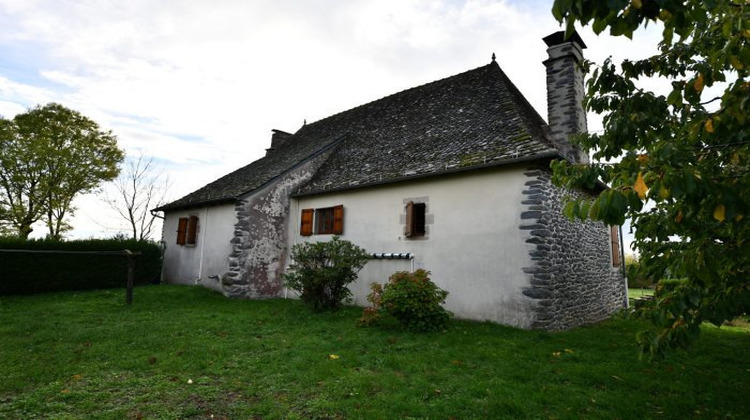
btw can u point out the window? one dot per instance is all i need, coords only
(615, 237)
(415, 219)
(328, 220)
(187, 229)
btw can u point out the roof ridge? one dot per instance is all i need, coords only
(388, 97)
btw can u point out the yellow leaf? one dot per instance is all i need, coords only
(698, 83)
(663, 192)
(719, 212)
(640, 186)
(738, 217)
(333, 356)
(709, 126)
(678, 218)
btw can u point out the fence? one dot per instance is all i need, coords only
(131, 257)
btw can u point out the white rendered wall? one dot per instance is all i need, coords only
(474, 247)
(194, 264)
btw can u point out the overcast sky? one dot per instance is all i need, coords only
(199, 85)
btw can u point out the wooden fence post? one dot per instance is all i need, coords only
(131, 275)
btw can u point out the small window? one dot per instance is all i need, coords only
(615, 237)
(323, 221)
(415, 219)
(192, 230)
(187, 229)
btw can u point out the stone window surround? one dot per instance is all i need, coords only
(429, 218)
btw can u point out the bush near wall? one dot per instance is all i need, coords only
(26, 273)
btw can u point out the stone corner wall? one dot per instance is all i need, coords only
(571, 277)
(259, 246)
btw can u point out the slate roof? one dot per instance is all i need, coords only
(474, 119)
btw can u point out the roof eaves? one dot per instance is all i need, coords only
(504, 162)
(335, 142)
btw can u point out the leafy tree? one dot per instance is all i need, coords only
(681, 170)
(139, 188)
(48, 155)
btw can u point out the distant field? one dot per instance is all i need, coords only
(185, 352)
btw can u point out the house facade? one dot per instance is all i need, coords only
(451, 176)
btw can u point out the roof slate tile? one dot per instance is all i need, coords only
(474, 119)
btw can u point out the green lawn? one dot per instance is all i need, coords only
(185, 352)
(639, 293)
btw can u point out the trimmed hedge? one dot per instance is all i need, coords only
(26, 273)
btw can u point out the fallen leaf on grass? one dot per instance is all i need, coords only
(333, 356)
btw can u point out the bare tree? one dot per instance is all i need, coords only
(140, 187)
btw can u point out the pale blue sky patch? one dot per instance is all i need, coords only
(200, 85)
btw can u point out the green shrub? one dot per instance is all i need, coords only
(27, 272)
(415, 301)
(322, 271)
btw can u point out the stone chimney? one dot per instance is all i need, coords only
(565, 113)
(278, 139)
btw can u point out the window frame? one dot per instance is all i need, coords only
(322, 221)
(187, 231)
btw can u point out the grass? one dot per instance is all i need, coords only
(186, 352)
(635, 293)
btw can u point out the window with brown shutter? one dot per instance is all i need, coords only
(615, 237)
(192, 229)
(338, 220)
(328, 220)
(415, 219)
(306, 228)
(181, 230)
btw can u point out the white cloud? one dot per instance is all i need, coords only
(199, 85)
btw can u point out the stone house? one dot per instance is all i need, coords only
(451, 176)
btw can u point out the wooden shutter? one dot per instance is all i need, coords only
(409, 228)
(192, 229)
(181, 230)
(338, 220)
(614, 235)
(306, 228)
